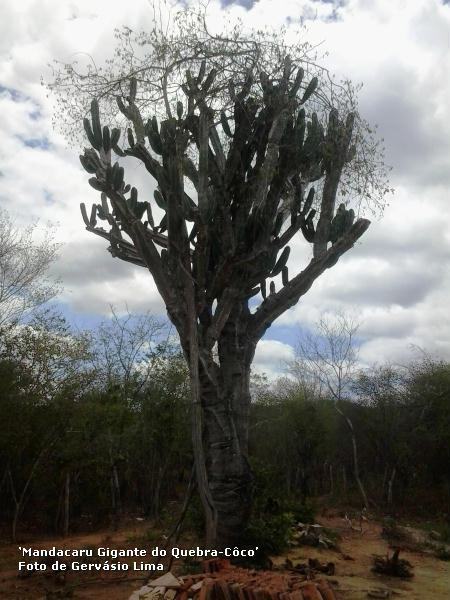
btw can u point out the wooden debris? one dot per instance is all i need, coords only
(327, 568)
(223, 581)
(312, 535)
(168, 580)
(392, 566)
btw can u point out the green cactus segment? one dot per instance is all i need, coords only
(163, 224)
(310, 89)
(102, 209)
(300, 128)
(136, 208)
(341, 223)
(168, 131)
(336, 149)
(272, 287)
(150, 219)
(190, 80)
(209, 80)
(130, 136)
(119, 151)
(93, 219)
(278, 224)
(123, 109)
(106, 139)
(117, 177)
(312, 147)
(285, 275)
(104, 201)
(101, 213)
(201, 72)
(100, 139)
(96, 184)
(225, 125)
(90, 135)
(297, 82)
(294, 218)
(179, 109)
(308, 202)
(281, 262)
(152, 132)
(160, 200)
(96, 127)
(87, 164)
(263, 289)
(189, 208)
(115, 136)
(84, 214)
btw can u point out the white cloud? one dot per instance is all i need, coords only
(397, 275)
(271, 357)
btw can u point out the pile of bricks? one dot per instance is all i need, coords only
(223, 581)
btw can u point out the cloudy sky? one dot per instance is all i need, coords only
(397, 279)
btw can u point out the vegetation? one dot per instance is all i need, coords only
(83, 444)
(24, 262)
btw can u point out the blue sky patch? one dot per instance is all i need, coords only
(41, 143)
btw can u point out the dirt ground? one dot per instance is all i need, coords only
(354, 578)
(101, 586)
(352, 581)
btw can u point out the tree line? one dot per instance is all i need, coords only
(96, 425)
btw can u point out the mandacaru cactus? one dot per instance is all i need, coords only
(239, 169)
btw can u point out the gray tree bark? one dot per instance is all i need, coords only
(224, 396)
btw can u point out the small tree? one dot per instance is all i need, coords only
(329, 358)
(383, 389)
(247, 149)
(125, 348)
(24, 263)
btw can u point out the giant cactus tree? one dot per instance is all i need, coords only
(242, 165)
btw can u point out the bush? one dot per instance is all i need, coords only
(271, 533)
(442, 553)
(302, 512)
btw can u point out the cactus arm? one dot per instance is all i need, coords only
(152, 165)
(338, 140)
(276, 304)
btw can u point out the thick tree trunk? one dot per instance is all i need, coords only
(228, 470)
(225, 417)
(224, 391)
